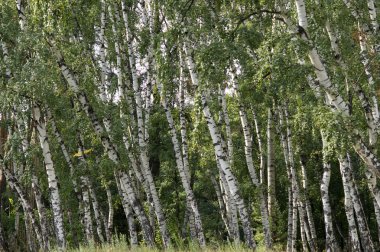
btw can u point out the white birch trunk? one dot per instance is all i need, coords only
(230, 204)
(41, 213)
(331, 243)
(87, 218)
(226, 118)
(372, 15)
(222, 206)
(21, 14)
(252, 173)
(271, 173)
(184, 145)
(125, 180)
(52, 178)
(365, 236)
(109, 226)
(309, 213)
(377, 214)
(231, 180)
(293, 189)
(97, 212)
(190, 198)
(143, 148)
(15, 185)
(261, 151)
(128, 213)
(343, 163)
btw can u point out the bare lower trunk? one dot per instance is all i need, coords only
(271, 169)
(230, 204)
(15, 185)
(98, 215)
(307, 207)
(365, 236)
(52, 178)
(331, 243)
(128, 212)
(231, 180)
(109, 226)
(41, 213)
(343, 162)
(190, 198)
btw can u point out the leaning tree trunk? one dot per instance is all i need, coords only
(15, 185)
(231, 179)
(128, 212)
(331, 242)
(52, 178)
(109, 225)
(344, 166)
(143, 148)
(230, 204)
(190, 198)
(307, 207)
(252, 172)
(365, 236)
(222, 160)
(125, 180)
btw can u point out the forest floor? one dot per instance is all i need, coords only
(125, 247)
(122, 246)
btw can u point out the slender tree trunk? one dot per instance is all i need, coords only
(222, 206)
(97, 212)
(87, 210)
(109, 226)
(184, 145)
(261, 150)
(41, 213)
(377, 214)
(252, 172)
(15, 185)
(231, 180)
(230, 204)
(190, 198)
(52, 178)
(372, 15)
(143, 148)
(331, 243)
(344, 166)
(309, 213)
(271, 170)
(128, 213)
(365, 236)
(125, 180)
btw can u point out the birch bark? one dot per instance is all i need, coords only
(221, 158)
(271, 169)
(15, 185)
(190, 198)
(344, 166)
(331, 243)
(251, 168)
(52, 178)
(141, 130)
(128, 213)
(231, 180)
(365, 236)
(125, 180)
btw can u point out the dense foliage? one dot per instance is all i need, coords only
(189, 122)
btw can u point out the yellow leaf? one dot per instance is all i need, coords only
(79, 154)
